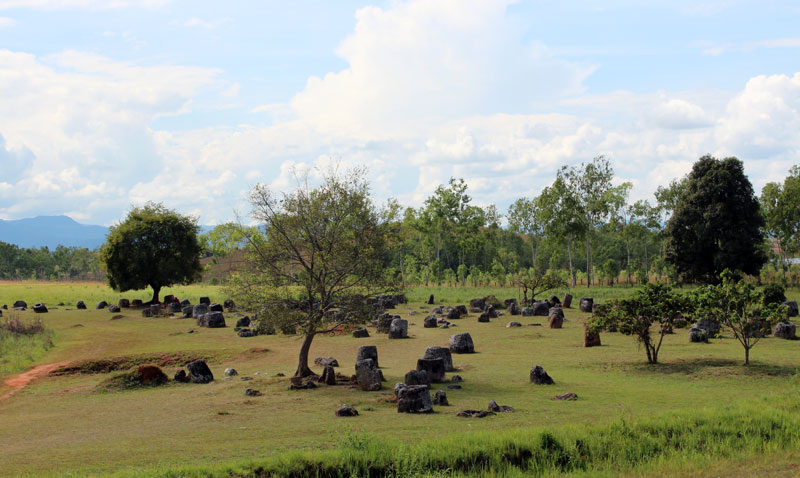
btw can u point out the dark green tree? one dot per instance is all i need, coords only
(716, 224)
(154, 246)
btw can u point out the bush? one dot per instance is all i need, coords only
(774, 294)
(16, 326)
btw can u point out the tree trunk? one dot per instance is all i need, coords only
(628, 252)
(156, 291)
(588, 262)
(571, 268)
(747, 356)
(302, 365)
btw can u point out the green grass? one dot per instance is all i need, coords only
(67, 294)
(63, 423)
(17, 352)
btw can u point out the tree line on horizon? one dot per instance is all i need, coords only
(581, 227)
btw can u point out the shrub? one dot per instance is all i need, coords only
(774, 294)
(16, 326)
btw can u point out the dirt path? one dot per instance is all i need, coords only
(20, 381)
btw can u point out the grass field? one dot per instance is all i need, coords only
(66, 425)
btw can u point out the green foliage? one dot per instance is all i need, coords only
(323, 252)
(653, 304)
(717, 223)
(154, 246)
(22, 343)
(610, 270)
(774, 294)
(41, 263)
(739, 306)
(780, 207)
(618, 448)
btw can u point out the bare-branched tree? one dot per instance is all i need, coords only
(318, 259)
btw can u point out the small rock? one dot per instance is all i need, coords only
(698, 335)
(346, 412)
(231, 372)
(181, 376)
(100, 305)
(246, 379)
(440, 398)
(540, 377)
(81, 305)
(494, 407)
(513, 324)
(454, 387)
(473, 413)
(586, 304)
(430, 322)
(360, 333)
(456, 379)
(566, 396)
(252, 392)
(785, 330)
(113, 308)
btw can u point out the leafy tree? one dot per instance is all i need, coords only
(525, 217)
(323, 254)
(717, 223)
(738, 306)
(780, 205)
(652, 304)
(154, 246)
(537, 281)
(562, 219)
(589, 188)
(610, 270)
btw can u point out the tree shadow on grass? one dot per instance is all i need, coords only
(714, 367)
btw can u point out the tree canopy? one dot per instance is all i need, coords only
(323, 254)
(154, 246)
(716, 224)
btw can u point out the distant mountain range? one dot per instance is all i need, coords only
(52, 231)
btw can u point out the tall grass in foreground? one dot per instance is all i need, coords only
(756, 427)
(22, 343)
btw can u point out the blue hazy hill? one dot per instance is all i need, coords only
(51, 231)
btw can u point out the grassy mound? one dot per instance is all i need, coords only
(129, 361)
(143, 376)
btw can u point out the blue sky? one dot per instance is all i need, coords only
(111, 103)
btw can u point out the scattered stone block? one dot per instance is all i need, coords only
(398, 329)
(586, 304)
(443, 353)
(199, 372)
(566, 396)
(81, 305)
(440, 398)
(346, 412)
(785, 330)
(326, 361)
(360, 333)
(367, 352)
(461, 344)
(434, 367)
(494, 407)
(414, 399)
(540, 377)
